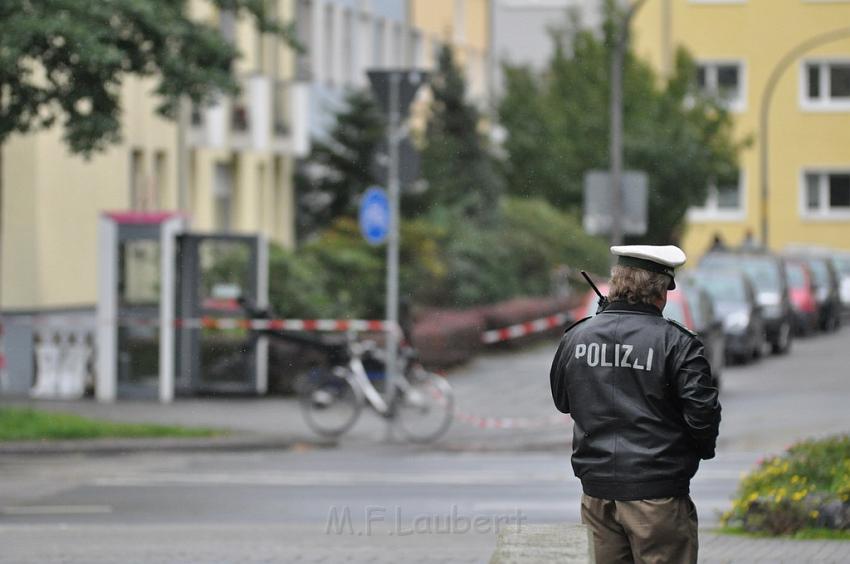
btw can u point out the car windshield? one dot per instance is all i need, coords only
(724, 289)
(796, 275)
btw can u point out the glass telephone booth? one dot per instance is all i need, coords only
(156, 282)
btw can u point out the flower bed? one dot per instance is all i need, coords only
(806, 487)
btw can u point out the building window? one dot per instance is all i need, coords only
(725, 201)
(227, 25)
(414, 55)
(348, 53)
(826, 194)
(329, 43)
(160, 179)
(378, 44)
(304, 34)
(223, 194)
(723, 80)
(459, 21)
(398, 46)
(137, 180)
(826, 85)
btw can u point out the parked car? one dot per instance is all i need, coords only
(841, 262)
(736, 304)
(707, 325)
(802, 291)
(766, 272)
(827, 291)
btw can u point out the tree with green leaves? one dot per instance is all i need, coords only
(457, 164)
(557, 125)
(62, 63)
(339, 167)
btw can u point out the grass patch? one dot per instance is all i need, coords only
(811, 533)
(25, 424)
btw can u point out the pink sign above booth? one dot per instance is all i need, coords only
(142, 217)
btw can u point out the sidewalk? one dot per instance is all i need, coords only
(509, 389)
(717, 549)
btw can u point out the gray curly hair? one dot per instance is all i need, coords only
(637, 286)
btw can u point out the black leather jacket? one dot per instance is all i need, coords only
(643, 401)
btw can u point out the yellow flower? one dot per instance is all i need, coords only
(814, 514)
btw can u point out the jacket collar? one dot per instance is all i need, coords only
(626, 307)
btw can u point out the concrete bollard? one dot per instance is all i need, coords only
(72, 382)
(542, 544)
(48, 359)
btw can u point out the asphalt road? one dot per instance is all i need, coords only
(392, 502)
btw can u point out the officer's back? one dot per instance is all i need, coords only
(623, 397)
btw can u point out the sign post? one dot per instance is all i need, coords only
(374, 216)
(394, 91)
(601, 217)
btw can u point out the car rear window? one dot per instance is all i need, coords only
(724, 288)
(764, 273)
(762, 270)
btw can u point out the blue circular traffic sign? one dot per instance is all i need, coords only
(375, 215)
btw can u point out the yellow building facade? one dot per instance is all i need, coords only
(463, 24)
(239, 156)
(739, 45)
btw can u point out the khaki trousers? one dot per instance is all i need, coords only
(662, 531)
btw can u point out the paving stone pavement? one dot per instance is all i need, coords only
(721, 549)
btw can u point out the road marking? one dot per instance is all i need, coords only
(328, 479)
(56, 509)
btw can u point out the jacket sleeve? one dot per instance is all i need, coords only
(558, 380)
(699, 398)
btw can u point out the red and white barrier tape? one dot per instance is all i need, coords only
(512, 422)
(523, 329)
(341, 325)
(223, 323)
(288, 324)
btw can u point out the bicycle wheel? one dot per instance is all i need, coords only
(329, 402)
(424, 407)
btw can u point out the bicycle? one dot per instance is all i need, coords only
(332, 400)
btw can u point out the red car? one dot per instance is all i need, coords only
(801, 291)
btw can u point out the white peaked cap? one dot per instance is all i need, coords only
(663, 259)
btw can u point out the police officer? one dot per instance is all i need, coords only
(645, 411)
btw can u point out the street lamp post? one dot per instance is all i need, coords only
(621, 39)
(764, 122)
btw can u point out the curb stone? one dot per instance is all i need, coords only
(227, 443)
(540, 544)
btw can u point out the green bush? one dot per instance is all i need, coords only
(808, 486)
(339, 275)
(445, 262)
